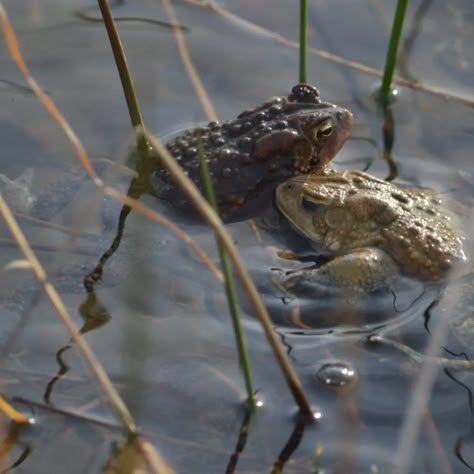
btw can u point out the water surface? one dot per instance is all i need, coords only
(162, 330)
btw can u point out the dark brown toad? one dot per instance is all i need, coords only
(249, 156)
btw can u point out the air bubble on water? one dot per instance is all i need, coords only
(336, 374)
(393, 96)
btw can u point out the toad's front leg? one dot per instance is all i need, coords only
(286, 141)
(364, 270)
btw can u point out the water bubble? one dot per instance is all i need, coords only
(393, 96)
(336, 374)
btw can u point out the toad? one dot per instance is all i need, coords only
(373, 229)
(249, 156)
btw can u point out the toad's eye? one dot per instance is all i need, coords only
(323, 131)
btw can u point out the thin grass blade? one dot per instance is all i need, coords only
(391, 58)
(303, 39)
(207, 212)
(229, 282)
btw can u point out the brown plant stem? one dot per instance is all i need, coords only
(207, 212)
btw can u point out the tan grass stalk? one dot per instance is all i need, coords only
(188, 63)
(84, 349)
(419, 358)
(14, 50)
(206, 211)
(214, 221)
(196, 198)
(418, 405)
(152, 457)
(157, 217)
(246, 24)
(12, 413)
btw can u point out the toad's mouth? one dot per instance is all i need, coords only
(299, 210)
(311, 206)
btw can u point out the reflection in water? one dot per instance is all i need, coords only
(87, 14)
(241, 442)
(465, 443)
(409, 436)
(94, 313)
(17, 86)
(410, 38)
(291, 445)
(135, 456)
(363, 162)
(388, 134)
(312, 308)
(464, 448)
(144, 165)
(63, 369)
(59, 440)
(9, 443)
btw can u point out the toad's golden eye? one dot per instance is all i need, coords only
(323, 131)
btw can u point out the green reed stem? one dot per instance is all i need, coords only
(391, 58)
(303, 39)
(206, 211)
(229, 282)
(124, 73)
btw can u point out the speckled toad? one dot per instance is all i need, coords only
(262, 147)
(375, 229)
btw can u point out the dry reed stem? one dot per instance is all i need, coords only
(326, 55)
(41, 247)
(440, 456)
(195, 196)
(420, 358)
(84, 349)
(53, 225)
(112, 396)
(418, 404)
(12, 413)
(188, 63)
(155, 216)
(211, 217)
(15, 53)
(14, 50)
(152, 458)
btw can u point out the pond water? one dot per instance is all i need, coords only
(160, 324)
